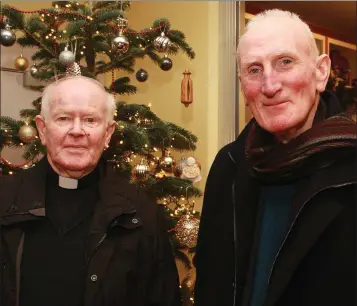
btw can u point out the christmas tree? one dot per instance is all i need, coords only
(93, 39)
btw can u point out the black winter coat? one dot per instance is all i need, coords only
(131, 256)
(316, 263)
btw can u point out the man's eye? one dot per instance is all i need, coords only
(90, 120)
(254, 70)
(63, 118)
(286, 61)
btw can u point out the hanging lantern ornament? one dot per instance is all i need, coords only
(121, 43)
(7, 37)
(27, 133)
(186, 89)
(141, 171)
(66, 57)
(165, 63)
(21, 63)
(162, 43)
(141, 75)
(167, 162)
(33, 70)
(186, 231)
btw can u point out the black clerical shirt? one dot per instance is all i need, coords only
(54, 254)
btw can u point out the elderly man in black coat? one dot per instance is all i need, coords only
(73, 231)
(278, 223)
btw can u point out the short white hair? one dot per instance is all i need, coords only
(275, 14)
(47, 97)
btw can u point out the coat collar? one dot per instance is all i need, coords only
(29, 201)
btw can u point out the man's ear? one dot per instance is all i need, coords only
(41, 127)
(323, 66)
(109, 132)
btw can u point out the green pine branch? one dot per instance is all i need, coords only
(170, 186)
(15, 18)
(106, 15)
(75, 28)
(122, 86)
(29, 113)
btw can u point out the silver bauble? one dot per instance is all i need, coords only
(7, 37)
(66, 57)
(141, 75)
(120, 43)
(165, 63)
(162, 43)
(33, 70)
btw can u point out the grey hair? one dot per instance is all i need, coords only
(47, 97)
(274, 14)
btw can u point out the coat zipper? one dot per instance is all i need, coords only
(235, 242)
(99, 244)
(235, 245)
(95, 249)
(297, 215)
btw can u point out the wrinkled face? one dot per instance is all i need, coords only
(75, 130)
(280, 79)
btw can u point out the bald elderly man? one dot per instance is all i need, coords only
(278, 223)
(73, 231)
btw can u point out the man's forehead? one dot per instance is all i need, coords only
(262, 41)
(78, 89)
(77, 98)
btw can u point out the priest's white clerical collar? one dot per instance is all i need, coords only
(67, 183)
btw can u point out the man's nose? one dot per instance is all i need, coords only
(77, 128)
(271, 84)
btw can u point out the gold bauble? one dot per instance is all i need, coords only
(27, 133)
(21, 63)
(167, 162)
(141, 171)
(186, 231)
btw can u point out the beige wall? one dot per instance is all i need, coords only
(28, 5)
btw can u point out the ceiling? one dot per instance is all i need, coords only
(337, 17)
